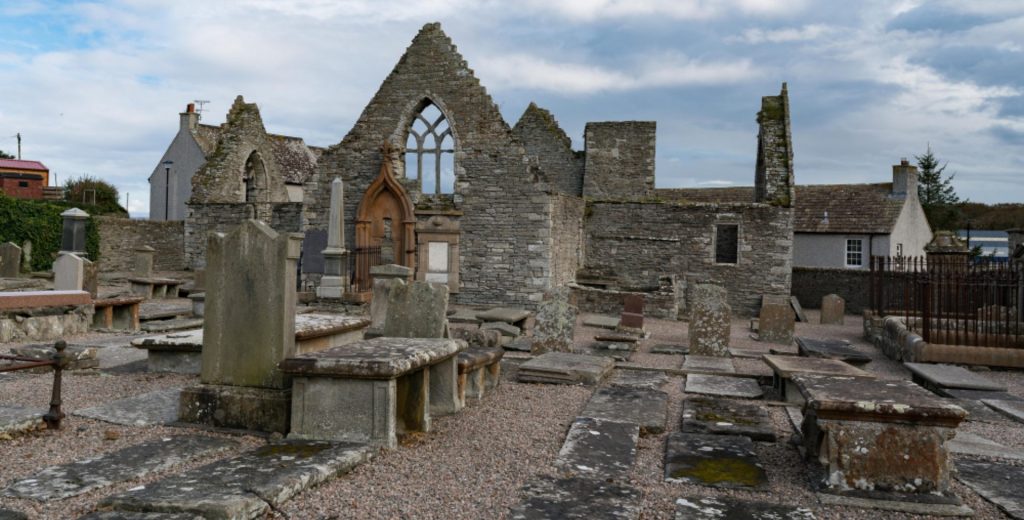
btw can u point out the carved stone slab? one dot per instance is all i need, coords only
(788, 366)
(859, 399)
(951, 376)
(723, 386)
(562, 367)
(599, 448)
(644, 407)
(723, 461)
(727, 417)
(378, 358)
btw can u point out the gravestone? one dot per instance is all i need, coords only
(938, 376)
(723, 386)
(415, 310)
(601, 322)
(645, 407)
(798, 309)
(68, 272)
(997, 483)
(727, 417)
(1013, 410)
(722, 461)
(576, 497)
(72, 237)
(712, 364)
(632, 312)
(143, 267)
(599, 448)
(10, 260)
(710, 321)
(556, 321)
(833, 308)
(728, 508)
(565, 368)
(831, 349)
(335, 257)
(90, 278)
(249, 327)
(776, 321)
(313, 245)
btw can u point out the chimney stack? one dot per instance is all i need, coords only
(189, 118)
(904, 179)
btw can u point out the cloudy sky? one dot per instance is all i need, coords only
(95, 87)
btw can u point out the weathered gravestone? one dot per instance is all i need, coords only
(72, 237)
(722, 461)
(334, 256)
(68, 273)
(249, 327)
(727, 417)
(415, 310)
(723, 386)
(632, 312)
(833, 308)
(143, 262)
(10, 260)
(728, 508)
(776, 320)
(556, 321)
(90, 278)
(710, 319)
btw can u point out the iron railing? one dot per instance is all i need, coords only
(359, 263)
(58, 361)
(951, 300)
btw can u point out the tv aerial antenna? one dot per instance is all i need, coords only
(202, 103)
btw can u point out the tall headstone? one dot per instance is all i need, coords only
(833, 308)
(335, 277)
(776, 321)
(632, 312)
(710, 321)
(556, 321)
(72, 236)
(249, 327)
(10, 260)
(68, 272)
(143, 262)
(415, 310)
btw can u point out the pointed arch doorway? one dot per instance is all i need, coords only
(384, 222)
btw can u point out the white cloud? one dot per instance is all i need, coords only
(793, 34)
(586, 10)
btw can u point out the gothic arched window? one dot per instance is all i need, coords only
(430, 152)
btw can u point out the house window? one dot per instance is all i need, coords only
(854, 252)
(430, 152)
(23, 184)
(726, 243)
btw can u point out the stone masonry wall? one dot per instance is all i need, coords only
(810, 284)
(505, 238)
(566, 238)
(641, 241)
(619, 160)
(547, 142)
(119, 237)
(204, 219)
(773, 180)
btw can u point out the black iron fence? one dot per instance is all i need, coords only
(950, 300)
(359, 264)
(58, 361)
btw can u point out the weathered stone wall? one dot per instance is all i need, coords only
(810, 284)
(640, 241)
(773, 179)
(204, 219)
(45, 324)
(619, 160)
(548, 143)
(566, 238)
(505, 239)
(657, 304)
(119, 237)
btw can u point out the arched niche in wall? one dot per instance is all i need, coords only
(384, 220)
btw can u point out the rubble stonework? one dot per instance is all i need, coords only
(619, 160)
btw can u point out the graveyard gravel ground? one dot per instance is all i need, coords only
(472, 464)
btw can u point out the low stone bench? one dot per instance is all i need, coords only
(155, 287)
(479, 371)
(372, 390)
(43, 315)
(181, 352)
(118, 313)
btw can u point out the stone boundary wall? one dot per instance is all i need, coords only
(810, 284)
(119, 237)
(204, 219)
(661, 304)
(45, 324)
(566, 238)
(899, 343)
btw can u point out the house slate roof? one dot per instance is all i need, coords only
(296, 160)
(17, 164)
(720, 195)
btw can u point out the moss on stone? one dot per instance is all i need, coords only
(722, 471)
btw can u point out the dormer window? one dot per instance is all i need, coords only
(430, 152)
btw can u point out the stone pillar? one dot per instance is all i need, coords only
(68, 272)
(249, 328)
(143, 262)
(710, 321)
(335, 278)
(10, 260)
(72, 237)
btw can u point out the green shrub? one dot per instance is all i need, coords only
(106, 195)
(40, 222)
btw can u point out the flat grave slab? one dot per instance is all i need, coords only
(248, 485)
(172, 324)
(786, 367)
(798, 309)
(977, 395)
(464, 316)
(10, 514)
(565, 368)
(123, 515)
(379, 358)
(859, 399)
(508, 315)
(616, 338)
(997, 483)
(723, 386)
(503, 328)
(153, 408)
(713, 364)
(728, 508)
(15, 419)
(520, 344)
(670, 349)
(649, 379)
(933, 376)
(831, 349)
(599, 351)
(599, 448)
(746, 353)
(1011, 409)
(644, 407)
(727, 417)
(966, 443)
(602, 322)
(722, 461)
(547, 498)
(76, 478)
(977, 411)
(611, 345)
(186, 341)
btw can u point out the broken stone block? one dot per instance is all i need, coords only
(728, 508)
(19, 419)
(833, 309)
(565, 368)
(556, 321)
(641, 406)
(547, 498)
(710, 321)
(776, 321)
(723, 461)
(617, 338)
(723, 386)
(727, 417)
(599, 448)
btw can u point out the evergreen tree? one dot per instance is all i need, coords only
(5, 155)
(935, 190)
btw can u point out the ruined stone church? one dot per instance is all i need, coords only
(435, 179)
